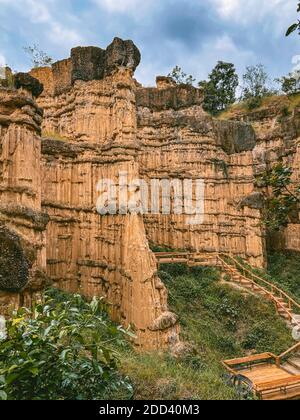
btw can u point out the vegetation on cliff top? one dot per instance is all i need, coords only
(285, 103)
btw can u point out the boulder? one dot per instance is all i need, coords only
(24, 80)
(165, 321)
(87, 63)
(14, 268)
(121, 53)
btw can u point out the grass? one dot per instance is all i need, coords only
(220, 323)
(285, 271)
(286, 103)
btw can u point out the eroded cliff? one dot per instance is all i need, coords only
(98, 123)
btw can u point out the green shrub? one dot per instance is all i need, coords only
(61, 349)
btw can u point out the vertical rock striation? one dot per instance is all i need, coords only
(22, 223)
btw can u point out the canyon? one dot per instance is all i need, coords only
(64, 128)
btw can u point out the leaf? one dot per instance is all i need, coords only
(292, 29)
(63, 354)
(17, 321)
(34, 371)
(11, 378)
(3, 396)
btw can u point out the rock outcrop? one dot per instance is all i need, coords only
(277, 128)
(22, 223)
(179, 140)
(99, 124)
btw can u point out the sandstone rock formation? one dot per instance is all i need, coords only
(179, 140)
(277, 140)
(99, 123)
(22, 223)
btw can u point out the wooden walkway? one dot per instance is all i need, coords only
(239, 274)
(268, 376)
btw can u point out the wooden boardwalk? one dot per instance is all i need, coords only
(266, 375)
(285, 305)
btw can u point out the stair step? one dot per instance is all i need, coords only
(284, 315)
(295, 361)
(291, 369)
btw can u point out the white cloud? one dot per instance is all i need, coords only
(255, 10)
(55, 26)
(225, 43)
(38, 12)
(119, 5)
(60, 34)
(135, 8)
(227, 7)
(2, 60)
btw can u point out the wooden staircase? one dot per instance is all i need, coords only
(285, 305)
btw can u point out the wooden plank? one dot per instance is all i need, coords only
(249, 359)
(265, 373)
(280, 383)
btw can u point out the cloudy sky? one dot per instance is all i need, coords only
(194, 34)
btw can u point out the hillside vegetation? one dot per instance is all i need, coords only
(283, 102)
(220, 323)
(50, 349)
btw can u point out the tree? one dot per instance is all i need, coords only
(255, 85)
(38, 57)
(180, 77)
(220, 88)
(283, 198)
(290, 84)
(294, 26)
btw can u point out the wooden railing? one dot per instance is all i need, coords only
(269, 294)
(290, 351)
(274, 290)
(235, 365)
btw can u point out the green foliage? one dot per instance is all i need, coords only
(260, 335)
(284, 268)
(220, 88)
(294, 26)
(61, 350)
(282, 201)
(180, 77)
(290, 84)
(38, 57)
(255, 86)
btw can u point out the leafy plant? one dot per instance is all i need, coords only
(282, 200)
(38, 57)
(220, 88)
(61, 350)
(294, 26)
(180, 77)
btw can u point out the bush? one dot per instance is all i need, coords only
(60, 350)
